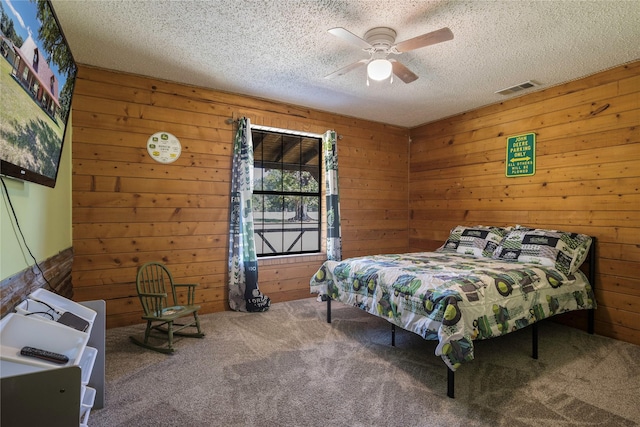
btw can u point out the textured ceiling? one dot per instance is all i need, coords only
(281, 50)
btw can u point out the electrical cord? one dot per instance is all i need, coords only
(41, 312)
(22, 234)
(45, 304)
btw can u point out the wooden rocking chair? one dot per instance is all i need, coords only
(159, 298)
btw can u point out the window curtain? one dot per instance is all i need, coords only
(244, 293)
(334, 239)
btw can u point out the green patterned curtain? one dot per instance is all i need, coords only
(244, 294)
(334, 239)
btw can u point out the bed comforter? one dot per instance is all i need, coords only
(453, 298)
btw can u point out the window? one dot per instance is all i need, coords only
(287, 192)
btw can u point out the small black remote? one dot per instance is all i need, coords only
(49, 356)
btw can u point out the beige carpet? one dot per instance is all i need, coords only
(288, 367)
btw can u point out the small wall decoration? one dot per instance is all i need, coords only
(521, 155)
(163, 147)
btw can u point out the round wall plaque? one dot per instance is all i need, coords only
(164, 147)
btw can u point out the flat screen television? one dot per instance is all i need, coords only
(37, 79)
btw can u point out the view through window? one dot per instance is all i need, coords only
(287, 192)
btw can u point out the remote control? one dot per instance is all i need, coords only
(49, 356)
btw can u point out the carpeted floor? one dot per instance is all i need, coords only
(288, 367)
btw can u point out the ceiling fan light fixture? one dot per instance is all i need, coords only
(379, 69)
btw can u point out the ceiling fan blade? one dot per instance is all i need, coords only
(350, 37)
(403, 73)
(434, 37)
(344, 70)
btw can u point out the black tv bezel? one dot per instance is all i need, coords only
(21, 173)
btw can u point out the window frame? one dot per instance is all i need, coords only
(318, 226)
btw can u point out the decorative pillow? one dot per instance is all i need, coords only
(479, 241)
(564, 251)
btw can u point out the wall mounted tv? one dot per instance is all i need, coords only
(37, 76)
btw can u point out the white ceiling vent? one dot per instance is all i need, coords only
(517, 88)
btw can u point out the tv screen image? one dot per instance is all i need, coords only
(37, 76)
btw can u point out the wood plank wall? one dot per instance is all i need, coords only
(52, 274)
(128, 209)
(587, 179)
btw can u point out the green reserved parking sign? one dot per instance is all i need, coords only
(521, 155)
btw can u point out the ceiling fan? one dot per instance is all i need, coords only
(379, 42)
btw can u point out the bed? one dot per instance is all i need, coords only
(483, 282)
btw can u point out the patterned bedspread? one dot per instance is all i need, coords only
(453, 298)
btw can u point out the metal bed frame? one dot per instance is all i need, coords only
(591, 274)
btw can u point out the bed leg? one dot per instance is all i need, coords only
(534, 341)
(591, 315)
(393, 335)
(450, 382)
(328, 309)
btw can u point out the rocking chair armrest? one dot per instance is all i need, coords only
(190, 291)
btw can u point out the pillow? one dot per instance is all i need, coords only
(479, 241)
(552, 248)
